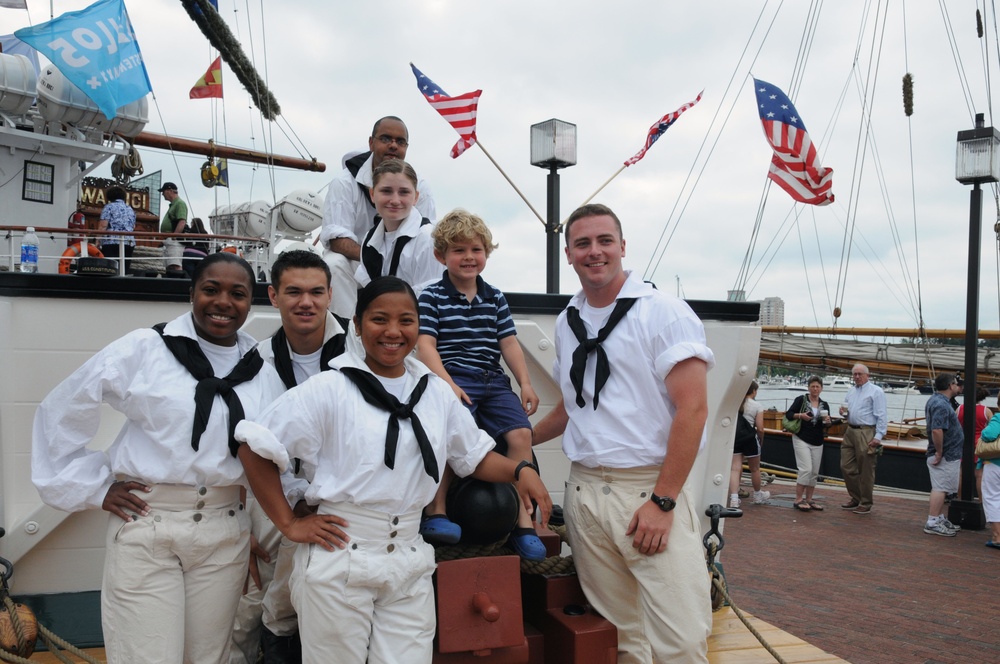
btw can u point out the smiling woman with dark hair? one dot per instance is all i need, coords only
(178, 539)
(377, 431)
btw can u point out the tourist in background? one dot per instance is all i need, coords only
(990, 490)
(117, 215)
(814, 413)
(983, 415)
(195, 250)
(944, 453)
(749, 450)
(867, 420)
(174, 221)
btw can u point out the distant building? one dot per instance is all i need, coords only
(772, 311)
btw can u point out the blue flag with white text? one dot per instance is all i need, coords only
(96, 50)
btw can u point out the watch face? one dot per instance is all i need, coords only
(665, 503)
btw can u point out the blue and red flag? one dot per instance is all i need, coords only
(659, 127)
(795, 165)
(460, 111)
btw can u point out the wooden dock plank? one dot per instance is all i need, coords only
(730, 643)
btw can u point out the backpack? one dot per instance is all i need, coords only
(745, 432)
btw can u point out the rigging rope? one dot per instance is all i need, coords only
(861, 150)
(650, 266)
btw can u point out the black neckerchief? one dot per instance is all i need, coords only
(189, 353)
(375, 393)
(333, 347)
(587, 346)
(372, 259)
(353, 166)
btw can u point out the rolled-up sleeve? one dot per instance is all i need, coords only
(69, 476)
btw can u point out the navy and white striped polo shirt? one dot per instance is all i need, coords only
(468, 333)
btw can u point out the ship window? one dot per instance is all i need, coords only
(38, 182)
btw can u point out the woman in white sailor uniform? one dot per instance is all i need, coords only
(178, 540)
(400, 244)
(378, 432)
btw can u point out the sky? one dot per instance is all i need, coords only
(613, 69)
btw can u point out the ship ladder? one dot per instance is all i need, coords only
(19, 629)
(719, 592)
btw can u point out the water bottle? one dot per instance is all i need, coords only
(29, 251)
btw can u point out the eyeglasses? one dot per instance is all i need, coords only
(859, 374)
(388, 140)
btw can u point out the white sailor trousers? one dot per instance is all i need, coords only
(371, 602)
(246, 628)
(173, 578)
(661, 604)
(279, 614)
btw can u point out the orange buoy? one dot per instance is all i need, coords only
(74, 252)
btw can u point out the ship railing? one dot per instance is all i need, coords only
(254, 250)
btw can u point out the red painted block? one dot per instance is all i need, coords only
(479, 605)
(573, 632)
(514, 655)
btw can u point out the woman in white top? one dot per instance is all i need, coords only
(378, 432)
(749, 450)
(178, 543)
(400, 244)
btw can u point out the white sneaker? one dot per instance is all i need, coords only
(939, 529)
(761, 497)
(949, 525)
(734, 503)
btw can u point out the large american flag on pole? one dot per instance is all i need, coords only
(460, 111)
(795, 165)
(659, 127)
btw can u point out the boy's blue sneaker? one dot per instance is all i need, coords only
(526, 544)
(438, 529)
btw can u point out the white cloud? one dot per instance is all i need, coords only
(614, 68)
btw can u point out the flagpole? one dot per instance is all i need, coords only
(509, 181)
(599, 189)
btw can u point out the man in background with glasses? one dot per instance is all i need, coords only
(867, 419)
(348, 212)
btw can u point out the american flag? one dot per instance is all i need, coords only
(460, 111)
(795, 165)
(659, 127)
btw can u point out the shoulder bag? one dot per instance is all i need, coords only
(794, 426)
(988, 449)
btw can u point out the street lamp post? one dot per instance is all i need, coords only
(977, 161)
(553, 146)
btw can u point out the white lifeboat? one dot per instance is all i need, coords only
(61, 101)
(17, 84)
(299, 213)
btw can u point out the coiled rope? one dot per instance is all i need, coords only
(551, 565)
(127, 166)
(52, 642)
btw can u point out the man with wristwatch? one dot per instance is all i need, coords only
(632, 362)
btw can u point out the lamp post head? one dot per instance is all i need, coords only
(553, 144)
(977, 158)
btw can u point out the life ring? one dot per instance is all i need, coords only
(74, 252)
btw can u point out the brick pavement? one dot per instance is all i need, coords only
(871, 588)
